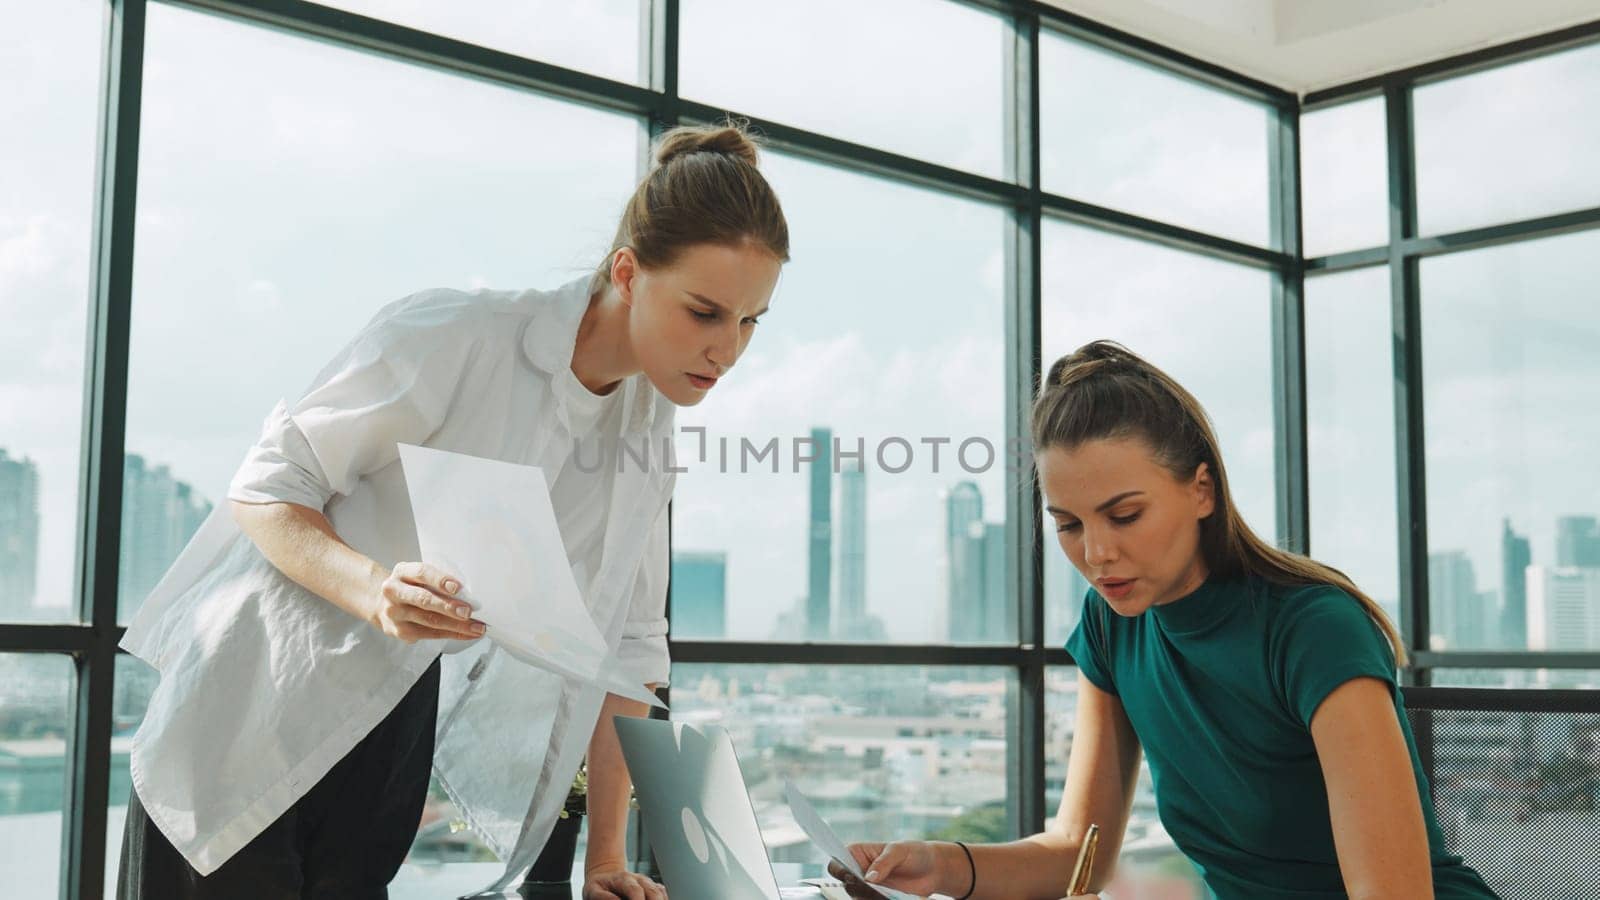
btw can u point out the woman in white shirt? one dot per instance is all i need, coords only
(303, 693)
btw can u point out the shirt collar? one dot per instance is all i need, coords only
(551, 335)
(1205, 606)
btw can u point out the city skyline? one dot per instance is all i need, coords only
(160, 512)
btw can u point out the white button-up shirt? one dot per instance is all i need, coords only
(265, 686)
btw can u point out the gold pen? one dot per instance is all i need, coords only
(1085, 864)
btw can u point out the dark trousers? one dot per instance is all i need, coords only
(344, 839)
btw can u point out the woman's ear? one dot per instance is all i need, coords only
(624, 268)
(1205, 491)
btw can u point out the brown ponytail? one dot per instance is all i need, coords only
(1104, 390)
(704, 188)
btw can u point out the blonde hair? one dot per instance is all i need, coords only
(1103, 390)
(704, 188)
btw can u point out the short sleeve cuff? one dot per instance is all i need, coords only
(1087, 661)
(281, 467)
(1310, 698)
(643, 655)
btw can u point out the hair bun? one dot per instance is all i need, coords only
(1095, 358)
(730, 139)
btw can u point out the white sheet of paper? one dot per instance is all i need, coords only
(821, 835)
(490, 523)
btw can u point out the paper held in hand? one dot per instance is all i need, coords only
(822, 836)
(490, 523)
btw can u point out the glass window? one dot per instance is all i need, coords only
(1150, 864)
(1513, 493)
(1123, 134)
(1206, 323)
(1560, 679)
(325, 184)
(1344, 171)
(1510, 143)
(35, 726)
(835, 66)
(886, 338)
(50, 64)
(885, 752)
(1351, 443)
(605, 37)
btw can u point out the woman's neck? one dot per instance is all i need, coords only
(602, 355)
(1192, 579)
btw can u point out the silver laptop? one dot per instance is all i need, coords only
(696, 811)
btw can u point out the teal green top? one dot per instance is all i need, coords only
(1220, 687)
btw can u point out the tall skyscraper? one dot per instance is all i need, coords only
(975, 557)
(1563, 608)
(1515, 556)
(19, 537)
(699, 595)
(1460, 612)
(819, 558)
(964, 558)
(1578, 542)
(995, 607)
(159, 514)
(852, 552)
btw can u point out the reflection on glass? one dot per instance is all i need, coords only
(1123, 134)
(35, 716)
(1150, 864)
(1207, 323)
(841, 68)
(604, 37)
(844, 488)
(1350, 413)
(446, 859)
(884, 752)
(324, 184)
(49, 63)
(1510, 143)
(1509, 338)
(1344, 172)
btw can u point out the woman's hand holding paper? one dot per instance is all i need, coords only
(416, 603)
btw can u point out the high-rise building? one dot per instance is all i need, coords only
(699, 595)
(1460, 612)
(819, 550)
(852, 552)
(964, 557)
(1563, 608)
(1515, 556)
(1578, 542)
(978, 603)
(995, 608)
(19, 537)
(159, 515)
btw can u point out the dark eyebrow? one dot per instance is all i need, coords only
(718, 306)
(1101, 508)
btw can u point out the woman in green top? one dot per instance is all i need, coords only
(1260, 684)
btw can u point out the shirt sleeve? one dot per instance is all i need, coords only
(643, 651)
(1324, 638)
(1087, 643)
(392, 384)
